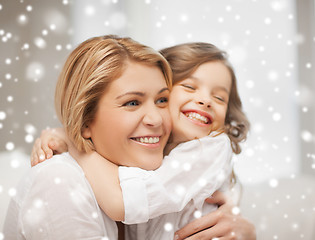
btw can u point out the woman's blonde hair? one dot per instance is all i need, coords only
(86, 75)
(184, 60)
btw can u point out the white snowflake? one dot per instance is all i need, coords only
(40, 42)
(168, 227)
(3, 115)
(9, 146)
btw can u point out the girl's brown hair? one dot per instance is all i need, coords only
(184, 60)
(86, 74)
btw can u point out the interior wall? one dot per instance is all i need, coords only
(262, 41)
(306, 76)
(274, 67)
(35, 40)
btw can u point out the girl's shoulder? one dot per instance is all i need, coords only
(213, 140)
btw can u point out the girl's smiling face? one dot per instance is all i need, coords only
(198, 104)
(132, 123)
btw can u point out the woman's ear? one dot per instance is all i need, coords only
(86, 132)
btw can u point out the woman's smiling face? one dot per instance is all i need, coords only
(132, 123)
(198, 104)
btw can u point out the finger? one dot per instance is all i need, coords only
(34, 159)
(214, 233)
(217, 198)
(58, 147)
(45, 145)
(198, 225)
(41, 155)
(38, 150)
(47, 149)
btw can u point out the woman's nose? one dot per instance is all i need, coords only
(153, 117)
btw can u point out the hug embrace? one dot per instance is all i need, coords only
(145, 150)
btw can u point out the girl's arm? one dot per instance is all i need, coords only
(101, 173)
(103, 178)
(192, 171)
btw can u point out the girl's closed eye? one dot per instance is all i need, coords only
(220, 98)
(190, 87)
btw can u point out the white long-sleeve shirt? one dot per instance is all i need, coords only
(171, 194)
(55, 201)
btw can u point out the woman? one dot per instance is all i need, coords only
(55, 200)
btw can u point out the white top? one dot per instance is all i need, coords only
(189, 174)
(55, 201)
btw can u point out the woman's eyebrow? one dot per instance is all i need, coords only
(163, 90)
(141, 94)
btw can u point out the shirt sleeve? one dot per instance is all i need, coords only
(60, 205)
(192, 171)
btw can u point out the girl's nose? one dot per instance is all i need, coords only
(206, 103)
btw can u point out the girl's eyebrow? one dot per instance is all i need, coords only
(193, 78)
(218, 87)
(141, 94)
(222, 88)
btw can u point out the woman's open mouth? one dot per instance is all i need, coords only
(147, 140)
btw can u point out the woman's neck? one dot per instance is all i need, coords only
(169, 147)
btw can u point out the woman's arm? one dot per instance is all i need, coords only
(225, 222)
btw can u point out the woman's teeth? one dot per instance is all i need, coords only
(197, 116)
(147, 139)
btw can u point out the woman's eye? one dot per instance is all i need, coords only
(162, 100)
(131, 103)
(188, 86)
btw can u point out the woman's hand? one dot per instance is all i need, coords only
(224, 223)
(52, 141)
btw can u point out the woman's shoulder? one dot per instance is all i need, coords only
(62, 165)
(53, 175)
(63, 160)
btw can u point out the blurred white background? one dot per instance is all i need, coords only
(271, 44)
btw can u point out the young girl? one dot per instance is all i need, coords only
(208, 122)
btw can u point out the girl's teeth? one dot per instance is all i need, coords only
(197, 116)
(149, 140)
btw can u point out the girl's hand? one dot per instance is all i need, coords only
(224, 223)
(52, 141)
